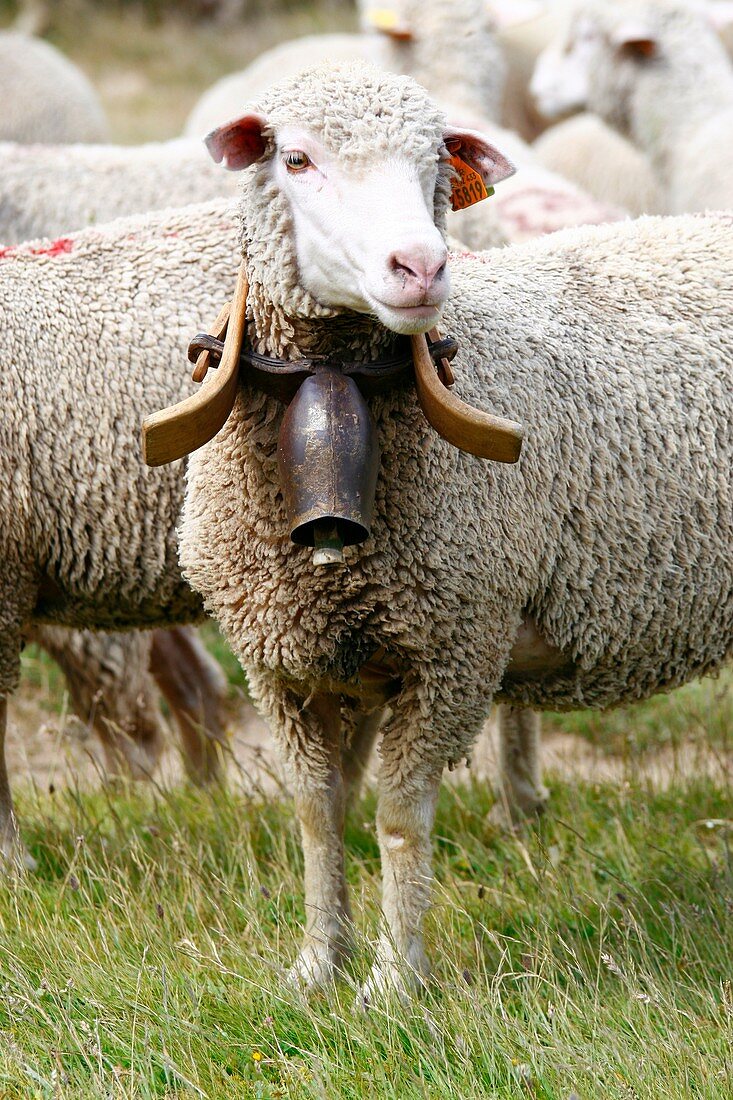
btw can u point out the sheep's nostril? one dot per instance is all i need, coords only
(421, 268)
(401, 267)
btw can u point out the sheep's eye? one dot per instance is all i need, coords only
(297, 161)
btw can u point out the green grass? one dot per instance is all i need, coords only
(591, 956)
(700, 712)
(150, 73)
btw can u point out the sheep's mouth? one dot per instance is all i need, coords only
(409, 318)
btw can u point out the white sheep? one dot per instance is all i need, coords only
(44, 96)
(601, 162)
(46, 191)
(50, 190)
(598, 569)
(659, 74)
(99, 324)
(452, 51)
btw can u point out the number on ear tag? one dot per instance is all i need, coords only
(468, 188)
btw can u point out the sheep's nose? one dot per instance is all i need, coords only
(418, 265)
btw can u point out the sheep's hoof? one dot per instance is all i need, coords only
(510, 813)
(392, 980)
(315, 967)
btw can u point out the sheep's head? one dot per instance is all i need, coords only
(343, 207)
(607, 49)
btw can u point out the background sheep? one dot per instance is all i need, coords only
(415, 41)
(44, 96)
(112, 680)
(88, 536)
(601, 162)
(48, 190)
(592, 541)
(659, 74)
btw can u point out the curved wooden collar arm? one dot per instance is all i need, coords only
(174, 432)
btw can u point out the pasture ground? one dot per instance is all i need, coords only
(590, 956)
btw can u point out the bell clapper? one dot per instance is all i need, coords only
(328, 546)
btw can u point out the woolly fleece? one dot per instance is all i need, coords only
(48, 190)
(44, 96)
(96, 328)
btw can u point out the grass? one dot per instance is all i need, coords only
(592, 956)
(700, 712)
(150, 74)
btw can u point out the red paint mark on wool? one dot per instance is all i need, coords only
(54, 248)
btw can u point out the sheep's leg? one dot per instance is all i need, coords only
(195, 689)
(320, 800)
(405, 816)
(520, 791)
(110, 687)
(356, 756)
(13, 853)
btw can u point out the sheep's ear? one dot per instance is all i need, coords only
(479, 154)
(388, 22)
(635, 40)
(239, 143)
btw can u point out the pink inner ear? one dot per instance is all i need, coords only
(238, 144)
(480, 154)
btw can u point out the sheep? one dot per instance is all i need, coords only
(658, 73)
(596, 570)
(605, 165)
(467, 81)
(435, 43)
(44, 96)
(112, 679)
(50, 190)
(88, 534)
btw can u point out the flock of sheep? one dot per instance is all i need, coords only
(597, 569)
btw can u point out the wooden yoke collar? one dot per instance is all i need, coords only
(188, 425)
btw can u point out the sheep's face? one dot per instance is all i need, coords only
(597, 62)
(356, 192)
(365, 235)
(561, 79)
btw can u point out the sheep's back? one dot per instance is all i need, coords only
(614, 347)
(48, 190)
(94, 338)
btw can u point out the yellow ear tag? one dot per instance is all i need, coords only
(383, 19)
(387, 21)
(469, 188)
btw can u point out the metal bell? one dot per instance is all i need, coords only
(328, 454)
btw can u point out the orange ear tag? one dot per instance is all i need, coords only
(469, 188)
